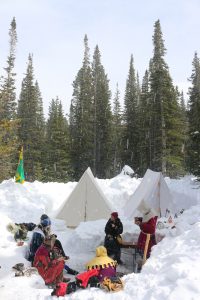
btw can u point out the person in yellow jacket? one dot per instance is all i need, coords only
(102, 262)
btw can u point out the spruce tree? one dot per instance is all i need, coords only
(8, 122)
(194, 119)
(138, 88)
(8, 95)
(131, 130)
(165, 123)
(40, 127)
(57, 167)
(81, 118)
(31, 130)
(144, 126)
(117, 147)
(183, 128)
(102, 118)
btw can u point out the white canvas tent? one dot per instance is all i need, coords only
(85, 203)
(154, 192)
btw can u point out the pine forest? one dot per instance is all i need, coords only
(153, 126)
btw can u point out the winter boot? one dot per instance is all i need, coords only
(70, 271)
(63, 288)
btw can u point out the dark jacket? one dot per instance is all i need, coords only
(114, 228)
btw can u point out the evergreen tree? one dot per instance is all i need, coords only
(31, 130)
(8, 95)
(165, 122)
(40, 127)
(176, 138)
(81, 123)
(8, 149)
(102, 118)
(138, 89)
(194, 119)
(57, 144)
(117, 147)
(40, 112)
(8, 122)
(131, 130)
(184, 129)
(144, 125)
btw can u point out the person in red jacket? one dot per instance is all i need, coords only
(147, 224)
(50, 269)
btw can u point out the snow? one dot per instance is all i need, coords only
(171, 273)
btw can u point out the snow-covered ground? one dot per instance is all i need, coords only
(171, 273)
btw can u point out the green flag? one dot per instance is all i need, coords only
(19, 176)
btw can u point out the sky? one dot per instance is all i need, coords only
(53, 31)
(171, 273)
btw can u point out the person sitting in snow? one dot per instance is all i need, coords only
(39, 234)
(104, 264)
(147, 224)
(113, 229)
(50, 268)
(100, 270)
(44, 230)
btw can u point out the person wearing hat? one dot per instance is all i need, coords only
(39, 234)
(147, 224)
(113, 229)
(104, 264)
(42, 231)
(50, 268)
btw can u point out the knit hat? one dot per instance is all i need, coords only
(101, 260)
(114, 215)
(44, 216)
(45, 222)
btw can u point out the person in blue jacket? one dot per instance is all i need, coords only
(42, 231)
(39, 234)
